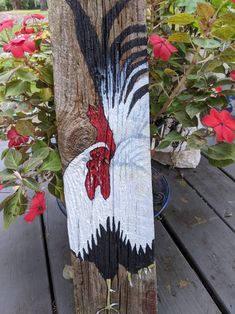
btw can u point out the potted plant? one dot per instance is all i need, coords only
(27, 119)
(192, 67)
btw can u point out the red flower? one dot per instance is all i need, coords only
(19, 46)
(218, 89)
(233, 1)
(162, 49)
(232, 73)
(1, 187)
(24, 31)
(223, 124)
(15, 139)
(33, 16)
(6, 24)
(38, 206)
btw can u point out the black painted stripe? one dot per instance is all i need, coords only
(109, 18)
(131, 67)
(116, 45)
(91, 49)
(133, 81)
(134, 43)
(138, 95)
(135, 56)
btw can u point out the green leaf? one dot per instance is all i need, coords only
(181, 19)
(31, 183)
(16, 88)
(185, 119)
(26, 75)
(228, 55)
(41, 153)
(170, 72)
(25, 128)
(179, 37)
(221, 163)
(14, 206)
(52, 163)
(196, 141)
(38, 145)
(6, 175)
(47, 73)
(194, 108)
(205, 10)
(6, 76)
(45, 94)
(55, 187)
(169, 138)
(4, 152)
(225, 33)
(31, 164)
(210, 65)
(207, 43)
(221, 151)
(12, 159)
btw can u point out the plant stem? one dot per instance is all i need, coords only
(178, 88)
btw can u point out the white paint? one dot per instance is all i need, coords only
(130, 201)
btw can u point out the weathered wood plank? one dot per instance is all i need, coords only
(205, 237)
(23, 271)
(180, 291)
(101, 92)
(215, 187)
(230, 170)
(59, 256)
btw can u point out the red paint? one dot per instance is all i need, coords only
(98, 165)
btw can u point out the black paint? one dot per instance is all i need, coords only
(101, 56)
(112, 249)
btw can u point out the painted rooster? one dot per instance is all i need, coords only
(108, 187)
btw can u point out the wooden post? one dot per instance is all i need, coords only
(101, 89)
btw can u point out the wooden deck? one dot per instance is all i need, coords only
(195, 251)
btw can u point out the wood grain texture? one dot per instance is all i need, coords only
(204, 236)
(216, 188)
(180, 291)
(81, 80)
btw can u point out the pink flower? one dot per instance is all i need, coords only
(1, 187)
(24, 31)
(162, 49)
(232, 73)
(38, 206)
(218, 89)
(19, 46)
(223, 124)
(15, 139)
(33, 16)
(6, 24)
(233, 1)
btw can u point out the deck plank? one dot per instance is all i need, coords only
(215, 187)
(179, 289)
(230, 170)
(23, 276)
(205, 237)
(59, 256)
